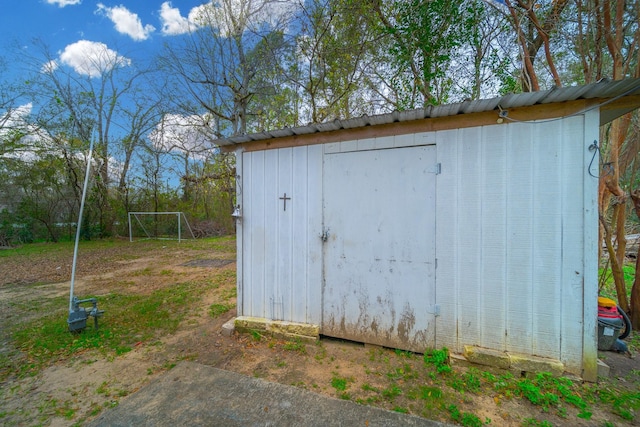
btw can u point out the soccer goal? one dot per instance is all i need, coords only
(159, 225)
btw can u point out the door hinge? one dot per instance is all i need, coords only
(437, 169)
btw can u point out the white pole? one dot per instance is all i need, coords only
(79, 225)
(178, 215)
(130, 235)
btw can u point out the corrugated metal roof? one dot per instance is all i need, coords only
(606, 90)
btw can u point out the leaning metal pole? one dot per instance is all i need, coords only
(78, 226)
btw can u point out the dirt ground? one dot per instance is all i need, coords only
(76, 389)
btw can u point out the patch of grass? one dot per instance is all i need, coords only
(255, 335)
(469, 381)
(530, 391)
(391, 392)
(429, 393)
(439, 359)
(532, 422)
(403, 353)
(228, 275)
(466, 419)
(128, 319)
(369, 387)
(340, 384)
(623, 404)
(321, 354)
(401, 373)
(102, 389)
(607, 289)
(35, 249)
(226, 279)
(295, 345)
(147, 271)
(216, 310)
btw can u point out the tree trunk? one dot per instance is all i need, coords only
(616, 267)
(610, 187)
(634, 313)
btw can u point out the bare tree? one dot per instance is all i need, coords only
(213, 70)
(96, 100)
(534, 26)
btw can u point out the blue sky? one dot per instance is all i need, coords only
(71, 28)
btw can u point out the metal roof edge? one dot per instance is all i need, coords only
(607, 90)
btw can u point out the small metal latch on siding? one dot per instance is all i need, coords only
(435, 310)
(325, 235)
(437, 169)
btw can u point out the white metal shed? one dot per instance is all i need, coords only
(465, 224)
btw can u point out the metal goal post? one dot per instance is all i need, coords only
(179, 216)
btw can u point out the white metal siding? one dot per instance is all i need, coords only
(516, 235)
(510, 245)
(282, 264)
(379, 210)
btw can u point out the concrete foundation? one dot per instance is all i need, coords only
(287, 330)
(511, 361)
(603, 369)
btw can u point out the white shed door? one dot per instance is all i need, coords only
(379, 222)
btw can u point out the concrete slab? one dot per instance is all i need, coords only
(194, 394)
(278, 328)
(603, 369)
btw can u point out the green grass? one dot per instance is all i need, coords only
(295, 345)
(340, 384)
(216, 310)
(439, 359)
(48, 248)
(128, 319)
(464, 418)
(608, 289)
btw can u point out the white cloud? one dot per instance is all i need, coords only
(126, 22)
(49, 67)
(186, 134)
(31, 139)
(236, 16)
(173, 23)
(229, 16)
(63, 3)
(92, 58)
(198, 14)
(15, 118)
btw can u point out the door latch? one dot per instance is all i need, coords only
(325, 235)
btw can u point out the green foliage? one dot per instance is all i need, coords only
(295, 345)
(466, 419)
(255, 335)
(533, 394)
(128, 319)
(624, 404)
(428, 393)
(469, 381)
(391, 392)
(426, 35)
(369, 387)
(439, 359)
(607, 286)
(339, 383)
(216, 310)
(532, 422)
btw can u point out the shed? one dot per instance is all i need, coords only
(470, 225)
